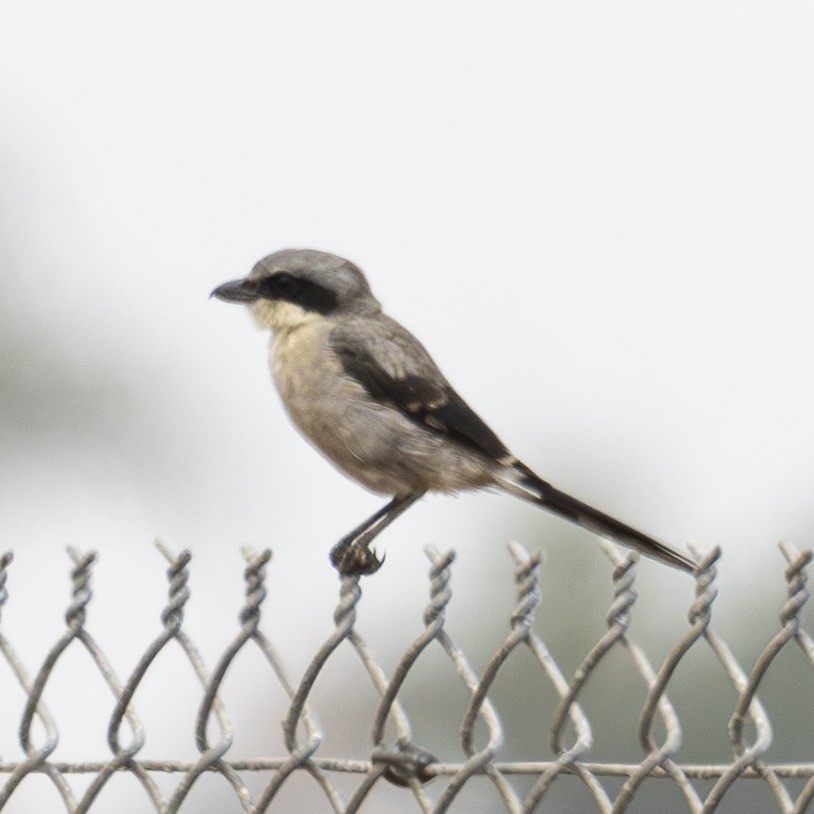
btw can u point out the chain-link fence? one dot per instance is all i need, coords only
(394, 760)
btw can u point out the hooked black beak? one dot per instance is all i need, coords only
(236, 291)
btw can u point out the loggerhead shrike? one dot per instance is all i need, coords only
(365, 392)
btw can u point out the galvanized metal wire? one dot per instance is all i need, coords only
(395, 758)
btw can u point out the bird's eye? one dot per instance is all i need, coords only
(283, 282)
(279, 286)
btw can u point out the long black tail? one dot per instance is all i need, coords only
(521, 481)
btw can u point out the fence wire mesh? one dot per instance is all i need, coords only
(393, 757)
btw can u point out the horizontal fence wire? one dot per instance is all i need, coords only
(394, 758)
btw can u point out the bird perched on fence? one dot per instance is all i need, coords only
(364, 391)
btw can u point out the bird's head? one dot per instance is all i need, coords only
(294, 286)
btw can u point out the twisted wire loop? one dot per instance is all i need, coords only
(660, 756)
(75, 620)
(403, 763)
(397, 759)
(124, 756)
(300, 754)
(255, 574)
(796, 578)
(520, 620)
(35, 757)
(746, 756)
(172, 619)
(618, 619)
(6, 559)
(527, 576)
(480, 761)
(211, 755)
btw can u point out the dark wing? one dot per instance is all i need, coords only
(394, 368)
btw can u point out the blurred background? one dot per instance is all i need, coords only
(597, 217)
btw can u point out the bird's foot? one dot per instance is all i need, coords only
(353, 558)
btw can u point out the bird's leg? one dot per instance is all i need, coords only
(352, 555)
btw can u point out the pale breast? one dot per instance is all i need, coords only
(376, 444)
(314, 391)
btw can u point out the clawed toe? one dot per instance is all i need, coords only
(353, 559)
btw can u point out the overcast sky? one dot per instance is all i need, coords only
(598, 217)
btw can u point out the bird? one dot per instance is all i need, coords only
(367, 394)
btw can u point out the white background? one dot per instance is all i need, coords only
(598, 217)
